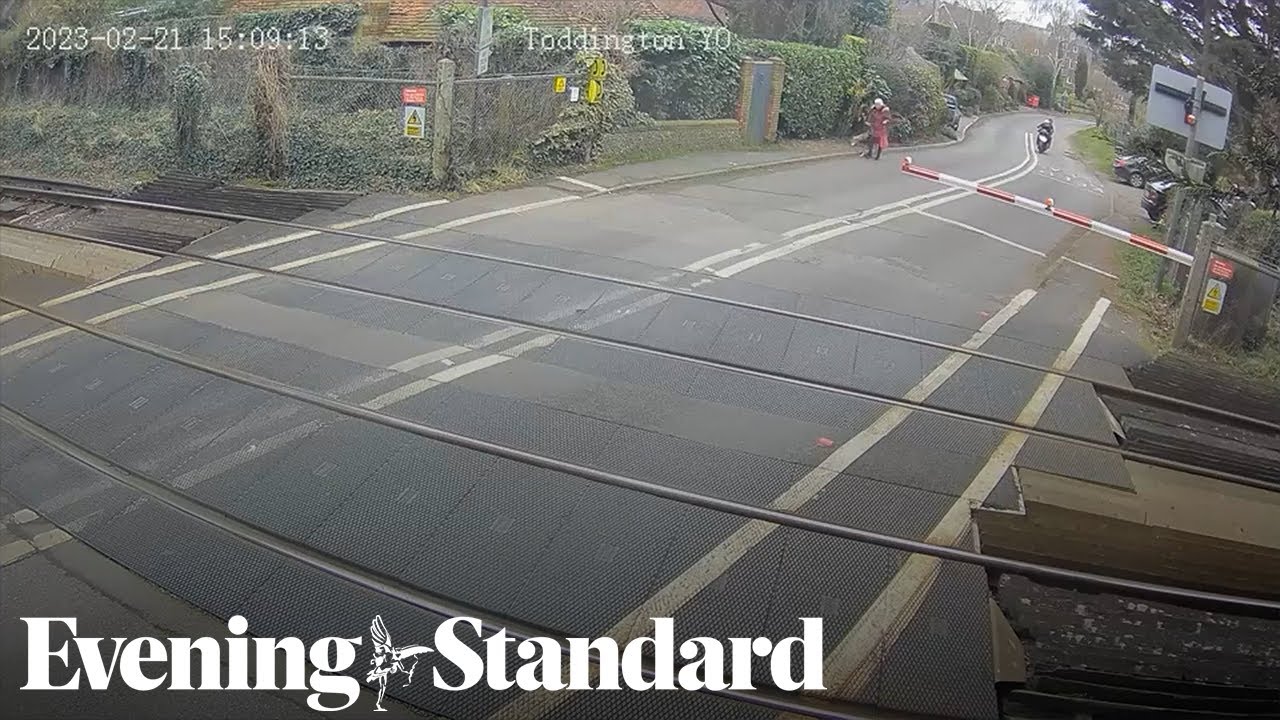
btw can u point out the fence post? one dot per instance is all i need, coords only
(442, 123)
(1210, 233)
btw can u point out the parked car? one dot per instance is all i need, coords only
(953, 111)
(1156, 199)
(1137, 169)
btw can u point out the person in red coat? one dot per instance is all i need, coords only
(878, 128)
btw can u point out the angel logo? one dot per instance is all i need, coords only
(388, 659)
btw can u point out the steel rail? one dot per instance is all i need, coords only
(688, 497)
(1113, 388)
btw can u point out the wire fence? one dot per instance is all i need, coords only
(496, 119)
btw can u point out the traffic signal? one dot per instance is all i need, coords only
(1189, 111)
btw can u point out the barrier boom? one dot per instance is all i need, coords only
(1047, 208)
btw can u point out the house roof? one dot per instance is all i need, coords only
(418, 20)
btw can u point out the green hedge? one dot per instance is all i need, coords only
(696, 80)
(915, 96)
(818, 96)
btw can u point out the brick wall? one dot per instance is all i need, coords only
(669, 137)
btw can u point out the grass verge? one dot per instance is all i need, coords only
(1095, 148)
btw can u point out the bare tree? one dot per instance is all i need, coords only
(986, 22)
(1063, 16)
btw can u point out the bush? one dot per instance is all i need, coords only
(915, 95)
(696, 80)
(970, 99)
(817, 97)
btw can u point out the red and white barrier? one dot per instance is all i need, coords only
(1047, 208)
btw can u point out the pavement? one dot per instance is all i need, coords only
(844, 238)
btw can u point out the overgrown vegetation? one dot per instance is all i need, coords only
(816, 100)
(697, 83)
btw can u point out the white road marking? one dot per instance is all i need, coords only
(804, 242)
(828, 222)
(417, 387)
(14, 551)
(980, 231)
(183, 294)
(50, 538)
(713, 259)
(1010, 243)
(849, 665)
(347, 225)
(680, 590)
(21, 517)
(1087, 266)
(177, 267)
(582, 183)
(485, 216)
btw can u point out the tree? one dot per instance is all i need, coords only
(1082, 74)
(985, 25)
(820, 22)
(1062, 16)
(1233, 43)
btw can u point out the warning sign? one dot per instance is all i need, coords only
(413, 96)
(573, 93)
(560, 83)
(593, 91)
(1220, 268)
(414, 119)
(1214, 294)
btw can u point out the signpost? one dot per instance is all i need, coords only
(1189, 107)
(414, 106)
(1221, 269)
(484, 47)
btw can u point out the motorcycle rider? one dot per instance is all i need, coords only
(1046, 126)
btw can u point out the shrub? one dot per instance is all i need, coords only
(696, 80)
(816, 97)
(915, 95)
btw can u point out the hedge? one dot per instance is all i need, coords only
(915, 96)
(818, 96)
(693, 78)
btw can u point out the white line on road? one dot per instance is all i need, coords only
(828, 222)
(719, 559)
(485, 216)
(850, 665)
(713, 259)
(980, 231)
(176, 267)
(582, 183)
(809, 240)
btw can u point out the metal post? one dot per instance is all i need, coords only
(1210, 233)
(1179, 239)
(442, 124)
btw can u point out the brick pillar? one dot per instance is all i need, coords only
(744, 93)
(775, 98)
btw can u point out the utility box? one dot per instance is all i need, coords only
(1235, 303)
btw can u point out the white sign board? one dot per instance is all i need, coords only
(1215, 293)
(414, 121)
(484, 48)
(1166, 106)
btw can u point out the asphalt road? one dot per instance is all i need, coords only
(829, 238)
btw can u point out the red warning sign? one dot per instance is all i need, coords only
(1221, 269)
(413, 96)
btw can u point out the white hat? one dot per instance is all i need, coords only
(879, 102)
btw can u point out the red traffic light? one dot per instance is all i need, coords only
(1189, 119)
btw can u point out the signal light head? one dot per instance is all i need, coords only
(1190, 119)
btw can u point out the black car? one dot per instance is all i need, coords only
(1158, 193)
(1156, 198)
(953, 111)
(1136, 169)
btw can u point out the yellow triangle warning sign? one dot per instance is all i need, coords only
(413, 117)
(1214, 292)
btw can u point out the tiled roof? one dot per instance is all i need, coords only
(416, 20)
(248, 6)
(686, 10)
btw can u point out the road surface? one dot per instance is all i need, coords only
(849, 239)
